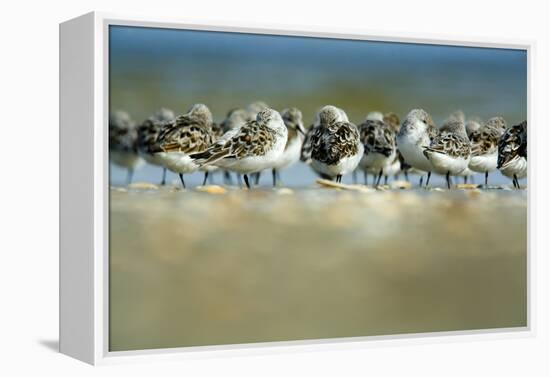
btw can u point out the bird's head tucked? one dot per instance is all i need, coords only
(417, 119)
(329, 115)
(496, 123)
(201, 113)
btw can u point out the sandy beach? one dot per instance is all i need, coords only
(190, 268)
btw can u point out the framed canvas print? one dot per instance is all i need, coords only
(228, 188)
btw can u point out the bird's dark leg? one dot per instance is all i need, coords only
(274, 176)
(379, 177)
(246, 181)
(516, 182)
(421, 183)
(406, 175)
(129, 176)
(428, 180)
(339, 178)
(227, 178)
(163, 182)
(257, 178)
(182, 181)
(205, 178)
(366, 177)
(465, 179)
(354, 176)
(486, 178)
(448, 176)
(385, 180)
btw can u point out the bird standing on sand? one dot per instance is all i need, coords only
(449, 151)
(296, 134)
(341, 116)
(485, 146)
(379, 147)
(148, 133)
(123, 137)
(416, 133)
(251, 148)
(336, 148)
(188, 133)
(512, 153)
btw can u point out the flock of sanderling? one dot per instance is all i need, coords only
(258, 138)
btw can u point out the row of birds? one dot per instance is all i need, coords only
(258, 138)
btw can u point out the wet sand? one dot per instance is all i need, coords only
(191, 268)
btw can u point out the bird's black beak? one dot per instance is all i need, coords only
(301, 130)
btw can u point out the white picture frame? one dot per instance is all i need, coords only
(84, 185)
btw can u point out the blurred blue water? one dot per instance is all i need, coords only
(150, 68)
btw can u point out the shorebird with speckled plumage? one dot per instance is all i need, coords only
(187, 134)
(336, 147)
(296, 134)
(485, 146)
(380, 151)
(340, 116)
(512, 153)
(416, 133)
(251, 148)
(449, 151)
(123, 137)
(148, 133)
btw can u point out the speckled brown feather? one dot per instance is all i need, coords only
(187, 134)
(332, 143)
(512, 144)
(252, 139)
(305, 155)
(123, 133)
(377, 137)
(485, 140)
(451, 144)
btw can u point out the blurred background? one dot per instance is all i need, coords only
(152, 68)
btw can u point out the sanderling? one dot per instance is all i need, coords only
(485, 146)
(459, 116)
(123, 137)
(398, 165)
(336, 148)
(449, 151)
(235, 118)
(248, 149)
(379, 147)
(148, 133)
(296, 133)
(341, 116)
(188, 133)
(512, 153)
(416, 133)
